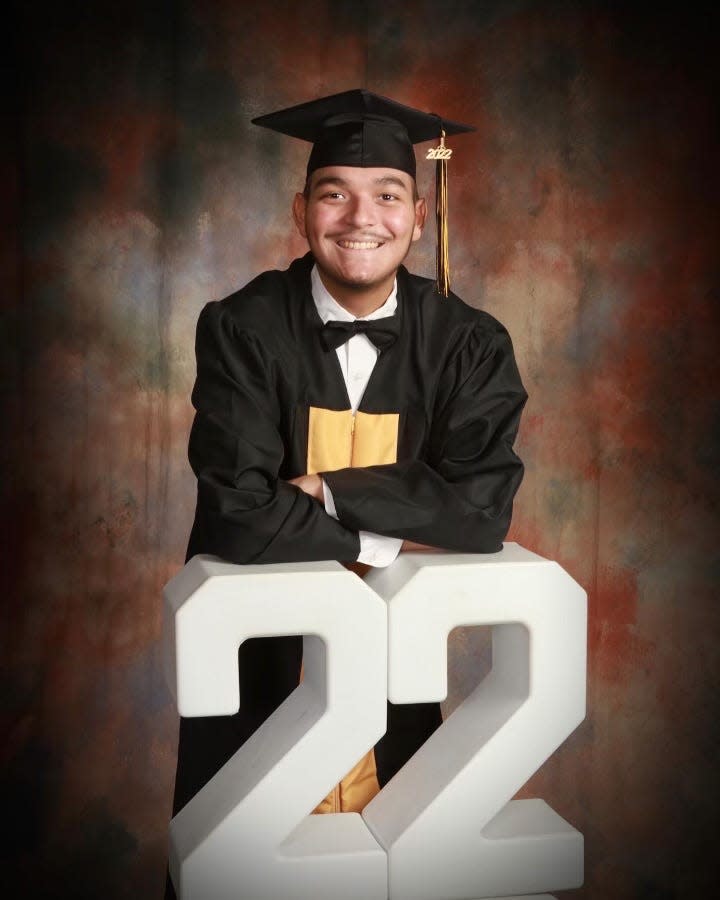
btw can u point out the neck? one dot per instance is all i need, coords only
(358, 300)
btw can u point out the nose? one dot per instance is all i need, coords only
(360, 211)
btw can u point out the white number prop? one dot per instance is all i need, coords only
(447, 820)
(248, 832)
(445, 827)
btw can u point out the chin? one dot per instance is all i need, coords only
(363, 282)
(364, 276)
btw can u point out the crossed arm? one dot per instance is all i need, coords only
(312, 486)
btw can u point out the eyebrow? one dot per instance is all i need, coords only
(341, 182)
(391, 179)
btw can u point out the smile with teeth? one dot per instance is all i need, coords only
(359, 245)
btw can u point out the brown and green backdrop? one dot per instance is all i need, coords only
(584, 215)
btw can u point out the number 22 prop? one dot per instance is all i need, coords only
(445, 827)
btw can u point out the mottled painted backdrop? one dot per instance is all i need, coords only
(584, 216)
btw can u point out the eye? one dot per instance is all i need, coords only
(388, 197)
(333, 195)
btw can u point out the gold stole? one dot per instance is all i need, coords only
(337, 439)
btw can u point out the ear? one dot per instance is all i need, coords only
(298, 211)
(420, 216)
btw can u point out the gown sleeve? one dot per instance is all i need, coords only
(459, 496)
(245, 513)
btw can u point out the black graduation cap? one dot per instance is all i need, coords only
(363, 129)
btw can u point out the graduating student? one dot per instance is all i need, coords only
(346, 410)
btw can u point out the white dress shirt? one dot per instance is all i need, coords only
(357, 359)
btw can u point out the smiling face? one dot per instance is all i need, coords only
(359, 224)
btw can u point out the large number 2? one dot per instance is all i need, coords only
(444, 828)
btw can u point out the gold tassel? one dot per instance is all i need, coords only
(441, 217)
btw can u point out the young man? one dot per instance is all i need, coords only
(346, 410)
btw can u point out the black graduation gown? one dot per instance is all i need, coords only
(452, 378)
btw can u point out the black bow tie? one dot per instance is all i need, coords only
(382, 332)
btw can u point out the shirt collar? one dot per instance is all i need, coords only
(328, 308)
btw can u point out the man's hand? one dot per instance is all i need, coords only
(310, 484)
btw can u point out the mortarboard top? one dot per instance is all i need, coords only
(361, 129)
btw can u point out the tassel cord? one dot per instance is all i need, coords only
(441, 214)
(441, 218)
